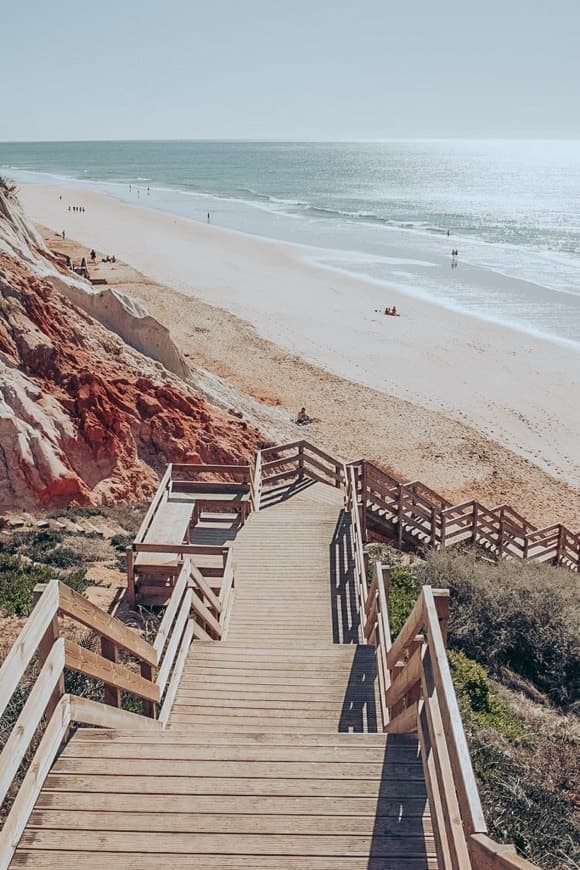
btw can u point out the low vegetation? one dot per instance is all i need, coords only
(28, 558)
(514, 654)
(7, 187)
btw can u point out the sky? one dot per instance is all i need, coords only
(289, 69)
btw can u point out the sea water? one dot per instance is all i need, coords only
(391, 211)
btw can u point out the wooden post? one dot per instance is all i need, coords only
(130, 556)
(433, 527)
(443, 529)
(301, 462)
(441, 597)
(50, 636)
(112, 695)
(500, 536)
(400, 517)
(363, 513)
(149, 707)
(560, 545)
(475, 518)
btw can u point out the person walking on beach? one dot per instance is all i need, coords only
(208, 217)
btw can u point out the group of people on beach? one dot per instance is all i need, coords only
(77, 208)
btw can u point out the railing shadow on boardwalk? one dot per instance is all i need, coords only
(278, 494)
(345, 616)
(399, 832)
(359, 709)
(222, 530)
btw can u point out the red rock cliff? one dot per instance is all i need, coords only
(84, 418)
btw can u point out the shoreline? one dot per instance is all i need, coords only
(436, 359)
(519, 295)
(233, 365)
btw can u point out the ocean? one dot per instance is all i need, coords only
(391, 211)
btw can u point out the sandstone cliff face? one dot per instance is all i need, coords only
(84, 418)
(113, 309)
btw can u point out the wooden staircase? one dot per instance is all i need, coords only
(280, 726)
(272, 756)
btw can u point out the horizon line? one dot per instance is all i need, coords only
(299, 141)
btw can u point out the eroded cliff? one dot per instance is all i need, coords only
(84, 417)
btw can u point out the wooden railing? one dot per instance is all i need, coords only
(191, 477)
(256, 483)
(410, 514)
(359, 561)
(162, 489)
(413, 515)
(417, 696)
(298, 460)
(125, 663)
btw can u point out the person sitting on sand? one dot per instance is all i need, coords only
(387, 311)
(303, 419)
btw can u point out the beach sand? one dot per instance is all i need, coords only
(470, 408)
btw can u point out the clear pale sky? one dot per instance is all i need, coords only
(295, 69)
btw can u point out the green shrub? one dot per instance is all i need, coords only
(477, 699)
(17, 581)
(404, 588)
(521, 808)
(514, 615)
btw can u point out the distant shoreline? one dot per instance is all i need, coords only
(518, 264)
(514, 389)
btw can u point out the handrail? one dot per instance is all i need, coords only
(164, 484)
(194, 609)
(256, 482)
(417, 696)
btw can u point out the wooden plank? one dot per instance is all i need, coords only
(405, 679)
(27, 642)
(163, 484)
(487, 855)
(184, 785)
(74, 605)
(177, 673)
(23, 730)
(152, 861)
(171, 610)
(200, 633)
(469, 802)
(446, 787)
(205, 615)
(87, 662)
(411, 628)
(33, 781)
(405, 722)
(233, 823)
(432, 786)
(205, 588)
(227, 844)
(150, 804)
(145, 747)
(174, 641)
(88, 712)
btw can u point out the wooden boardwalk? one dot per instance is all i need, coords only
(272, 757)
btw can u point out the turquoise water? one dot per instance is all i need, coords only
(381, 209)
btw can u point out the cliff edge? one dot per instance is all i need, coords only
(84, 417)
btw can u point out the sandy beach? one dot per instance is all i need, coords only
(471, 408)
